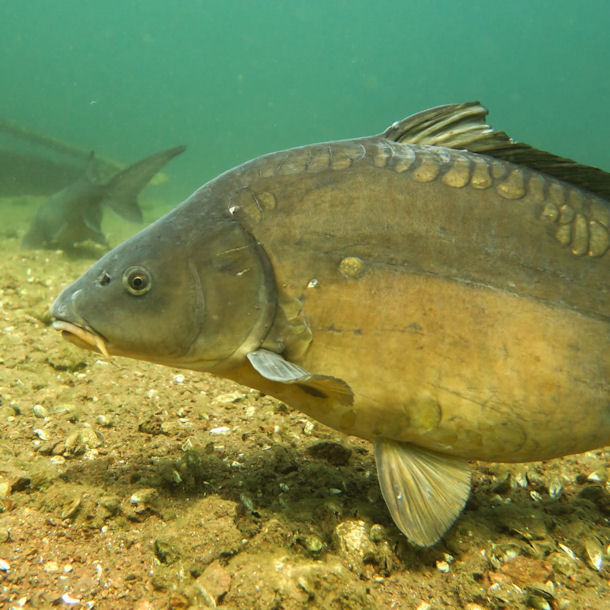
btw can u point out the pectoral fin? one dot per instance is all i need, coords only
(274, 367)
(425, 491)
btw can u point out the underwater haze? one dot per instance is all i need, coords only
(452, 305)
(236, 79)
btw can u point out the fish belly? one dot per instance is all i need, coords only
(461, 369)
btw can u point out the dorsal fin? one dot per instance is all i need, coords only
(463, 126)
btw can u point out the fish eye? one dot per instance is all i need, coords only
(137, 280)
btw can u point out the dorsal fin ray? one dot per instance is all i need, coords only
(463, 126)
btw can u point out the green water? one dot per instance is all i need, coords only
(235, 79)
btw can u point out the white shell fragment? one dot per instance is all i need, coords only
(67, 599)
(594, 553)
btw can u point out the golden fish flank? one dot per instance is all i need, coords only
(417, 288)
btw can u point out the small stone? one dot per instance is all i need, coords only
(81, 441)
(598, 476)
(50, 567)
(40, 411)
(12, 480)
(507, 594)
(72, 508)
(377, 533)
(111, 503)
(562, 564)
(215, 579)
(354, 544)
(104, 421)
(229, 397)
(594, 553)
(147, 495)
(67, 599)
(220, 430)
(165, 551)
(443, 566)
(153, 426)
(555, 488)
(308, 428)
(538, 603)
(4, 565)
(311, 542)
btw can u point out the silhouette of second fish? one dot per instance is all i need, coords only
(74, 214)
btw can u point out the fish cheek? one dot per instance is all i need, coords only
(157, 326)
(164, 322)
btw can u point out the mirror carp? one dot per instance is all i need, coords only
(438, 289)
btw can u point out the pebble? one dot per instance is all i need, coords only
(377, 533)
(82, 440)
(41, 434)
(4, 565)
(308, 428)
(104, 421)
(598, 476)
(312, 543)
(594, 553)
(229, 397)
(147, 495)
(72, 508)
(354, 544)
(67, 599)
(220, 430)
(555, 488)
(40, 411)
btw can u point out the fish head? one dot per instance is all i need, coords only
(191, 290)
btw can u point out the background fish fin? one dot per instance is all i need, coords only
(463, 126)
(122, 191)
(91, 170)
(274, 367)
(92, 219)
(425, 491)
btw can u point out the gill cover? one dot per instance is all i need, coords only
(238, 288)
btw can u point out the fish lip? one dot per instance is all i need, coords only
(83, 336)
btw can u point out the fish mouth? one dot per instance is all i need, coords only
(82, 337)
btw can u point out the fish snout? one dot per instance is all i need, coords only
(72, 326)
(63, 307)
